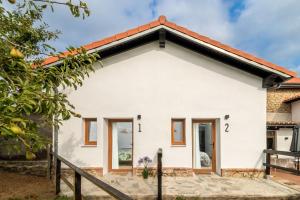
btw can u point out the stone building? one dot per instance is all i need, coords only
(283, 116)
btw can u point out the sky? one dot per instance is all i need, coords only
(269, 29)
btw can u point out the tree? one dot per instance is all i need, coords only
(29, 88)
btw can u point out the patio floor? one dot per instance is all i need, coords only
(286, 178)
(196, 187)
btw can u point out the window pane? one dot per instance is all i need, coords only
(178, 131)
(121, 145)
(92, 131)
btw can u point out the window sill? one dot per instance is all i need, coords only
(89, 145)
(178, 145)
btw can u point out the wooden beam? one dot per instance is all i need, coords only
(77, 188)
(159, 174)
(57, 176)
(162, 38)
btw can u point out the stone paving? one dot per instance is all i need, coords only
(196, 187)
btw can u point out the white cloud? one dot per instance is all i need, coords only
(270, 29)
(107, 18)
(208, 17)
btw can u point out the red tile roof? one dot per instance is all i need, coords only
(163, 21)
(294, 80)
(278, 123)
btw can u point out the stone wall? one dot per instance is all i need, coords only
(182, 172)
(37, 168)
(240, 173)
(275, 98)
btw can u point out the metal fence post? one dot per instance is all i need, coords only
(57, 175)
(77, 191)
(159, 174)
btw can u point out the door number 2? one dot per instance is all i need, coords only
(226, 127)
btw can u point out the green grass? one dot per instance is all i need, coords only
(63, 198)
(180, 198)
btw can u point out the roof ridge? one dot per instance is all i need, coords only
(162, 20)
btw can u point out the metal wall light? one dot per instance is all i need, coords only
(139, 117)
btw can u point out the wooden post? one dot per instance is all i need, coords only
(159, 174)
(57, 175)
(268, 162)
(77, 191)
(298, 165)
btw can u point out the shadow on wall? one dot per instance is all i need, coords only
(68, 149)
(260, 160)
(217, 66)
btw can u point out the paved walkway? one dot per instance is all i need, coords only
(286, 178)
(196, 187)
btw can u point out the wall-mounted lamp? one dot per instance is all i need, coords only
(139, 117)
(226, 117)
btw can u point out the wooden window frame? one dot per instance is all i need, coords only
(173, 142)
(86, 131)
(214, 138)
(110, 141)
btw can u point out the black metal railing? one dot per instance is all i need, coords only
(159, 174)
(77, 182)
(268, 164)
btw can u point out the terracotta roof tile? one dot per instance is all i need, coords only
(278, 123)
(294, 80)
(162, 20)
(154, 24)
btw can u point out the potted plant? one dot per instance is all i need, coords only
(145, 161)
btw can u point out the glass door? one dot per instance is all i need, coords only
(203, 145)
(120, 145)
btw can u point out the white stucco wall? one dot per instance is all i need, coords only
(161, 84)
(296, 111)
(275, 116)
(284, 139)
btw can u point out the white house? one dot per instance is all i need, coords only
(164, 86)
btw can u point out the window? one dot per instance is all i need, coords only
(90, 131)
(178, 131)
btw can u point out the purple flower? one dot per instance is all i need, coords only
(140, 161)
(145, 161)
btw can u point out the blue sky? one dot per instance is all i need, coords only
(266, 28)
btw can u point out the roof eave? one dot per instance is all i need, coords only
(259, 66)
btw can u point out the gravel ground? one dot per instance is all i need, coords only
(15, 186)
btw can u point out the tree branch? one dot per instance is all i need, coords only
(57, 2)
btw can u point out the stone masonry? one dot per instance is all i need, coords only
(275, 98)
